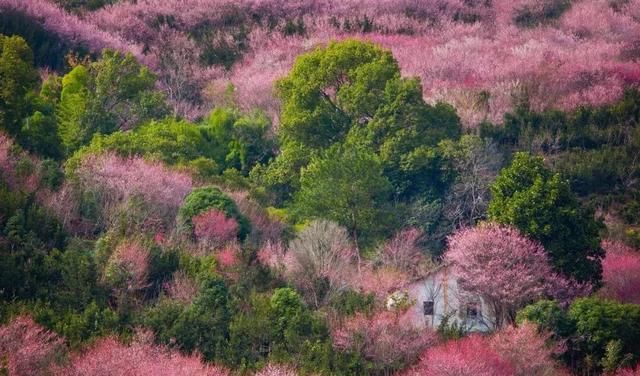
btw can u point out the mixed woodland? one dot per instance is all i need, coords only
(238, 187)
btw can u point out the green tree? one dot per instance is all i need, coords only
(18, 81)
(280, 328)
(600, 321)
(540, 203)
(548, 315)
(204, 325)
(346, 185)
(331, 88)
(201, 326)
(352, 90)
(405, 132)
(241, 141)
(113, 93)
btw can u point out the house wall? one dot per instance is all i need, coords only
(442, 288)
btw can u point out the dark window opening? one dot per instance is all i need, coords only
(473, 311)
(427, 307)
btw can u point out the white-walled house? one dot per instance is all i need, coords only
(438, 295)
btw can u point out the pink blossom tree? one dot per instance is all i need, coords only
(126, 272)
(504, 267)
(628, 372)
(529, 351)
(470, 356)
(27, 349)
(621, 272)
(181, 288)
(116, 182)
(264, 226)
(383, 339)
(109, 357)
(379, 281)
(514, 351)
(229, 256)
(71, 28)
(10, 157)
(321, 260)
(212, 228)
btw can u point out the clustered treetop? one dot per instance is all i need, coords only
(540, 203)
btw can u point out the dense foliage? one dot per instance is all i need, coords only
(217, 187)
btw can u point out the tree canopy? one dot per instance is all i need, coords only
(540, 203)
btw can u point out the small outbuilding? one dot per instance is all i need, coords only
(437, 296)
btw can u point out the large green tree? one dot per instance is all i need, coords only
(18, 79)
(540, 203)
(113, 93)
(346, 185)
(352, 91)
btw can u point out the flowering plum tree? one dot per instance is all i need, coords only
(114, 181)
(527, 349)
(127, 271)
(110, 357)
(213, 228)
(503, 266)
(403, 252)
(28, 349)
(470, 356)
(620, 272)
(383, 339)
(515, 351)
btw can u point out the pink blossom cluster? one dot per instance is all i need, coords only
(264, 227)
(128, 266)
(628, 372)
(382, 338)
(621, 272)
(110, 357)
(506, 269)
(341, 270)
(274, 255)
(403, 252)
(512, 351)
(482, 66)
(212, 227)
(379, 281)
(229, 256)
(71, 28)
(27, 348)
(115, 180)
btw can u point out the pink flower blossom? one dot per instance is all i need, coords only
(114, 181)
(27, 348)
(229, 256)
(110, 357)
(621, 272)
(513, 351)
(403, 252)
(128, 267)
(213, 228)
(470, 356)
(383, 338)
(505, 268)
